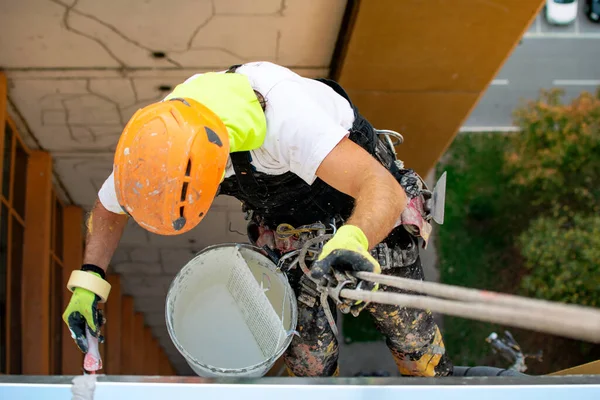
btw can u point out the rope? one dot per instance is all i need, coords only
(480, 296)
(286, 230)
(323, 296)
(572, 321)
(567, 324)
(304, 250)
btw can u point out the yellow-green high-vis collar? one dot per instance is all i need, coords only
(232, 98)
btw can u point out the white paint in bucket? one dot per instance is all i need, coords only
(220, 320)
(222, 326)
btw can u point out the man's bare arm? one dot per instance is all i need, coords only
(105, 229)
(379, 197)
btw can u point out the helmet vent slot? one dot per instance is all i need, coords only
(188, 169)
(175, 117)
(184, 101)
(184, 191)
(213, 137)
(181, 211)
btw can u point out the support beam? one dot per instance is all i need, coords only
(164, 367)
(72, 357)
(138, 344)
(154, 354)
(112, 330)
(148, 351)
(6, 333)
(36, 266)
(3, 97)
(127, 327)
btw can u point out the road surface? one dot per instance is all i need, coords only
(548, 57)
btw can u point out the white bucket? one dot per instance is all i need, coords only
(229, 313)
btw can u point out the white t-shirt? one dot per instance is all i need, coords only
(305, 118)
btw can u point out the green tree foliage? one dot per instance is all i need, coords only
(555, 161)
(554, 168)
(563, 255)
(522, 216)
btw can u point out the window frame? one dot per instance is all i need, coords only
(13, 217)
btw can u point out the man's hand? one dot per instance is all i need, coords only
(104, 232)
(347, 251)
(82, 311)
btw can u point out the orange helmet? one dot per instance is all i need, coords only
(169, 162)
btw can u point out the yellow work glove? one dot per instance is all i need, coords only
(347, 250)
(82, 311)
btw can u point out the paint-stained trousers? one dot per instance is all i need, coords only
(411, 335)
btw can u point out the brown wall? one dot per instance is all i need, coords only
(420, 66)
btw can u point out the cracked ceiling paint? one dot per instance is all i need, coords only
(78, 70)
(196, 34)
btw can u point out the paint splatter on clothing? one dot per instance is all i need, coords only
(411, 334)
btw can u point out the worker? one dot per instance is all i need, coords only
(294, 151)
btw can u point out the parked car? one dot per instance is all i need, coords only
(592, 10)
(561, 12)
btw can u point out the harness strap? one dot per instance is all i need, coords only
(244, 174)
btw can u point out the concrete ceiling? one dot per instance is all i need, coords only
(78, 69)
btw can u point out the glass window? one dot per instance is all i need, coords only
(52, 224)
(8, 134)
(3, 287)
(20, 179)
(58, 229)
(16, 267)
(12, 214)
(58, 290)
(55, 317)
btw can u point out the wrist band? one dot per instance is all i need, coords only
(94, 268)
(91, 282)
